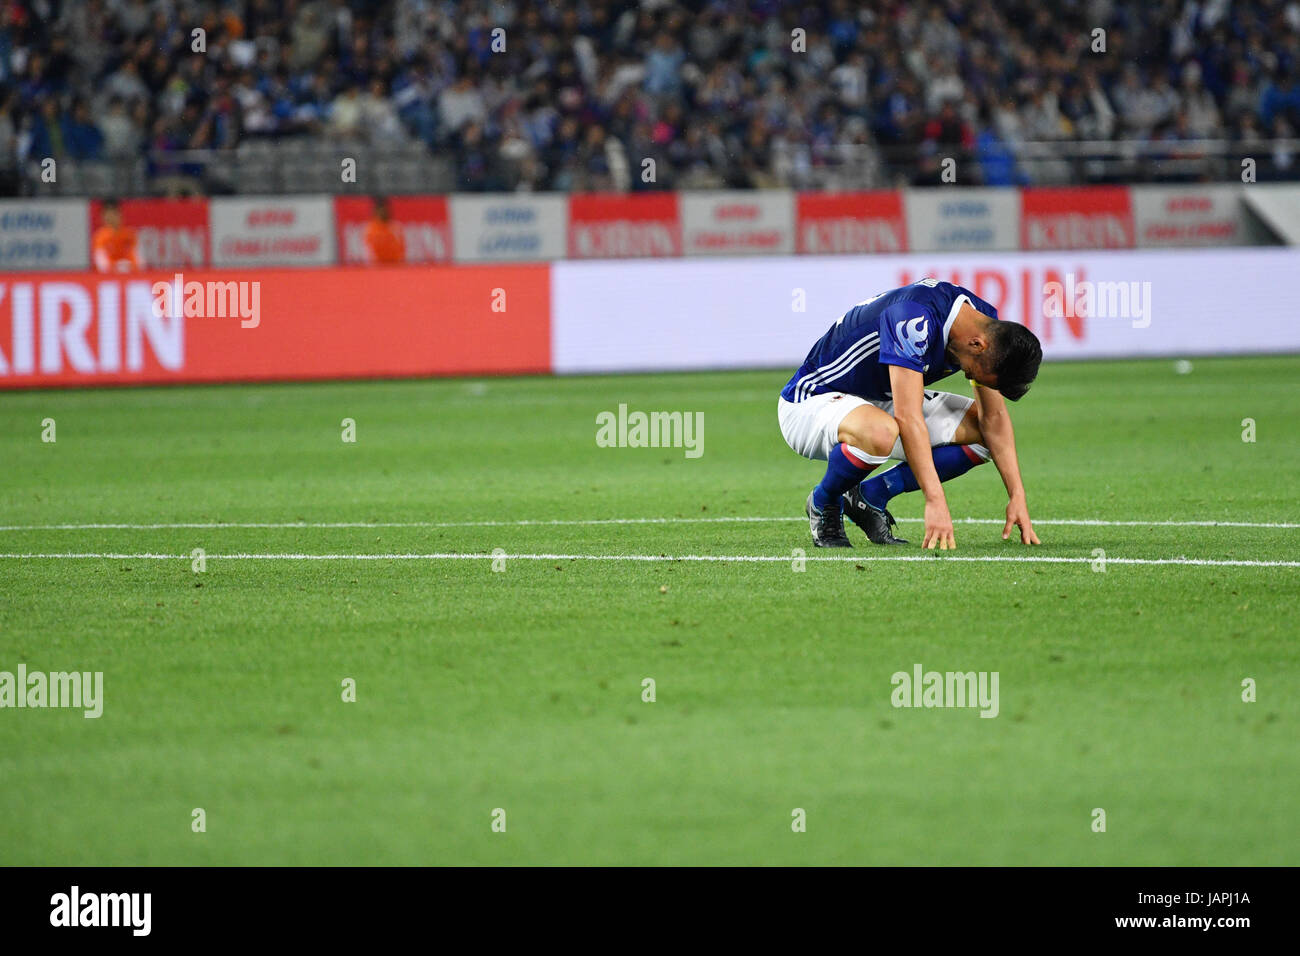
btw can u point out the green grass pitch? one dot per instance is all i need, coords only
(521, 689)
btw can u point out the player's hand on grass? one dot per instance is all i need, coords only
(1018, 517)
(938, 526)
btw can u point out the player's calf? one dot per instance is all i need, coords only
(950, 461)
(866, 436)
(867, 503)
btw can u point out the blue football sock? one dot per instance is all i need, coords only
(844, 469)
(949, 461)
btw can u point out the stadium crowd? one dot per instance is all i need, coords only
(576, 95)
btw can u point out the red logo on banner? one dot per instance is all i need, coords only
(170, 233)
(850, 223)
(1085, 217)
(423, 220)
(620, 227)
(1190, 219)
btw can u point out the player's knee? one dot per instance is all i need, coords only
(876, 438)
(968, 429)
(885, 437)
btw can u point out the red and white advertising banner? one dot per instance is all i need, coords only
(423, 220)
(286, 324)
(856, 223)
(1189, 216)
(44, 234)
(965, 219)
(508, 228)
(749, 313)
(170, 233)
(1076, 217)
(738, 223)
(272, 231)
(621, 227)
(273, 324)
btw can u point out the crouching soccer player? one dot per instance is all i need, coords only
(860, 399)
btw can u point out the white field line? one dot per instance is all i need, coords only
(652, 558)
(559, 522)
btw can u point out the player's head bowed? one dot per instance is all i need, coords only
(1010, 359)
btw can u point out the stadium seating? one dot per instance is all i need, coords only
(474, 96)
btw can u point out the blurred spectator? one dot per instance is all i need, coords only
(379, 116)
(83, 138)
(1281, 98)
(1198, 105)
(950, 135)
(663, 65)
(1141, 108)
(46, 135)
(1088, 111)
(345, 115)
(997, 164)
(476, 167)
(459, 104)
(8, 147)
(122, 139)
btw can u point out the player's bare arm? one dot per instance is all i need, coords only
(998, 434)
(909, 398)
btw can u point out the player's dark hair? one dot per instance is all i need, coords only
(1014, 356)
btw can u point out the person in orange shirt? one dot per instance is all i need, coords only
(114, 245)
(384, 242)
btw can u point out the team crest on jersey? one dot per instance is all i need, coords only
(912, 333)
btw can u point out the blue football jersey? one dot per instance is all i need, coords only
(907, 326)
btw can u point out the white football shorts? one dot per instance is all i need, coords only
(812, 427)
